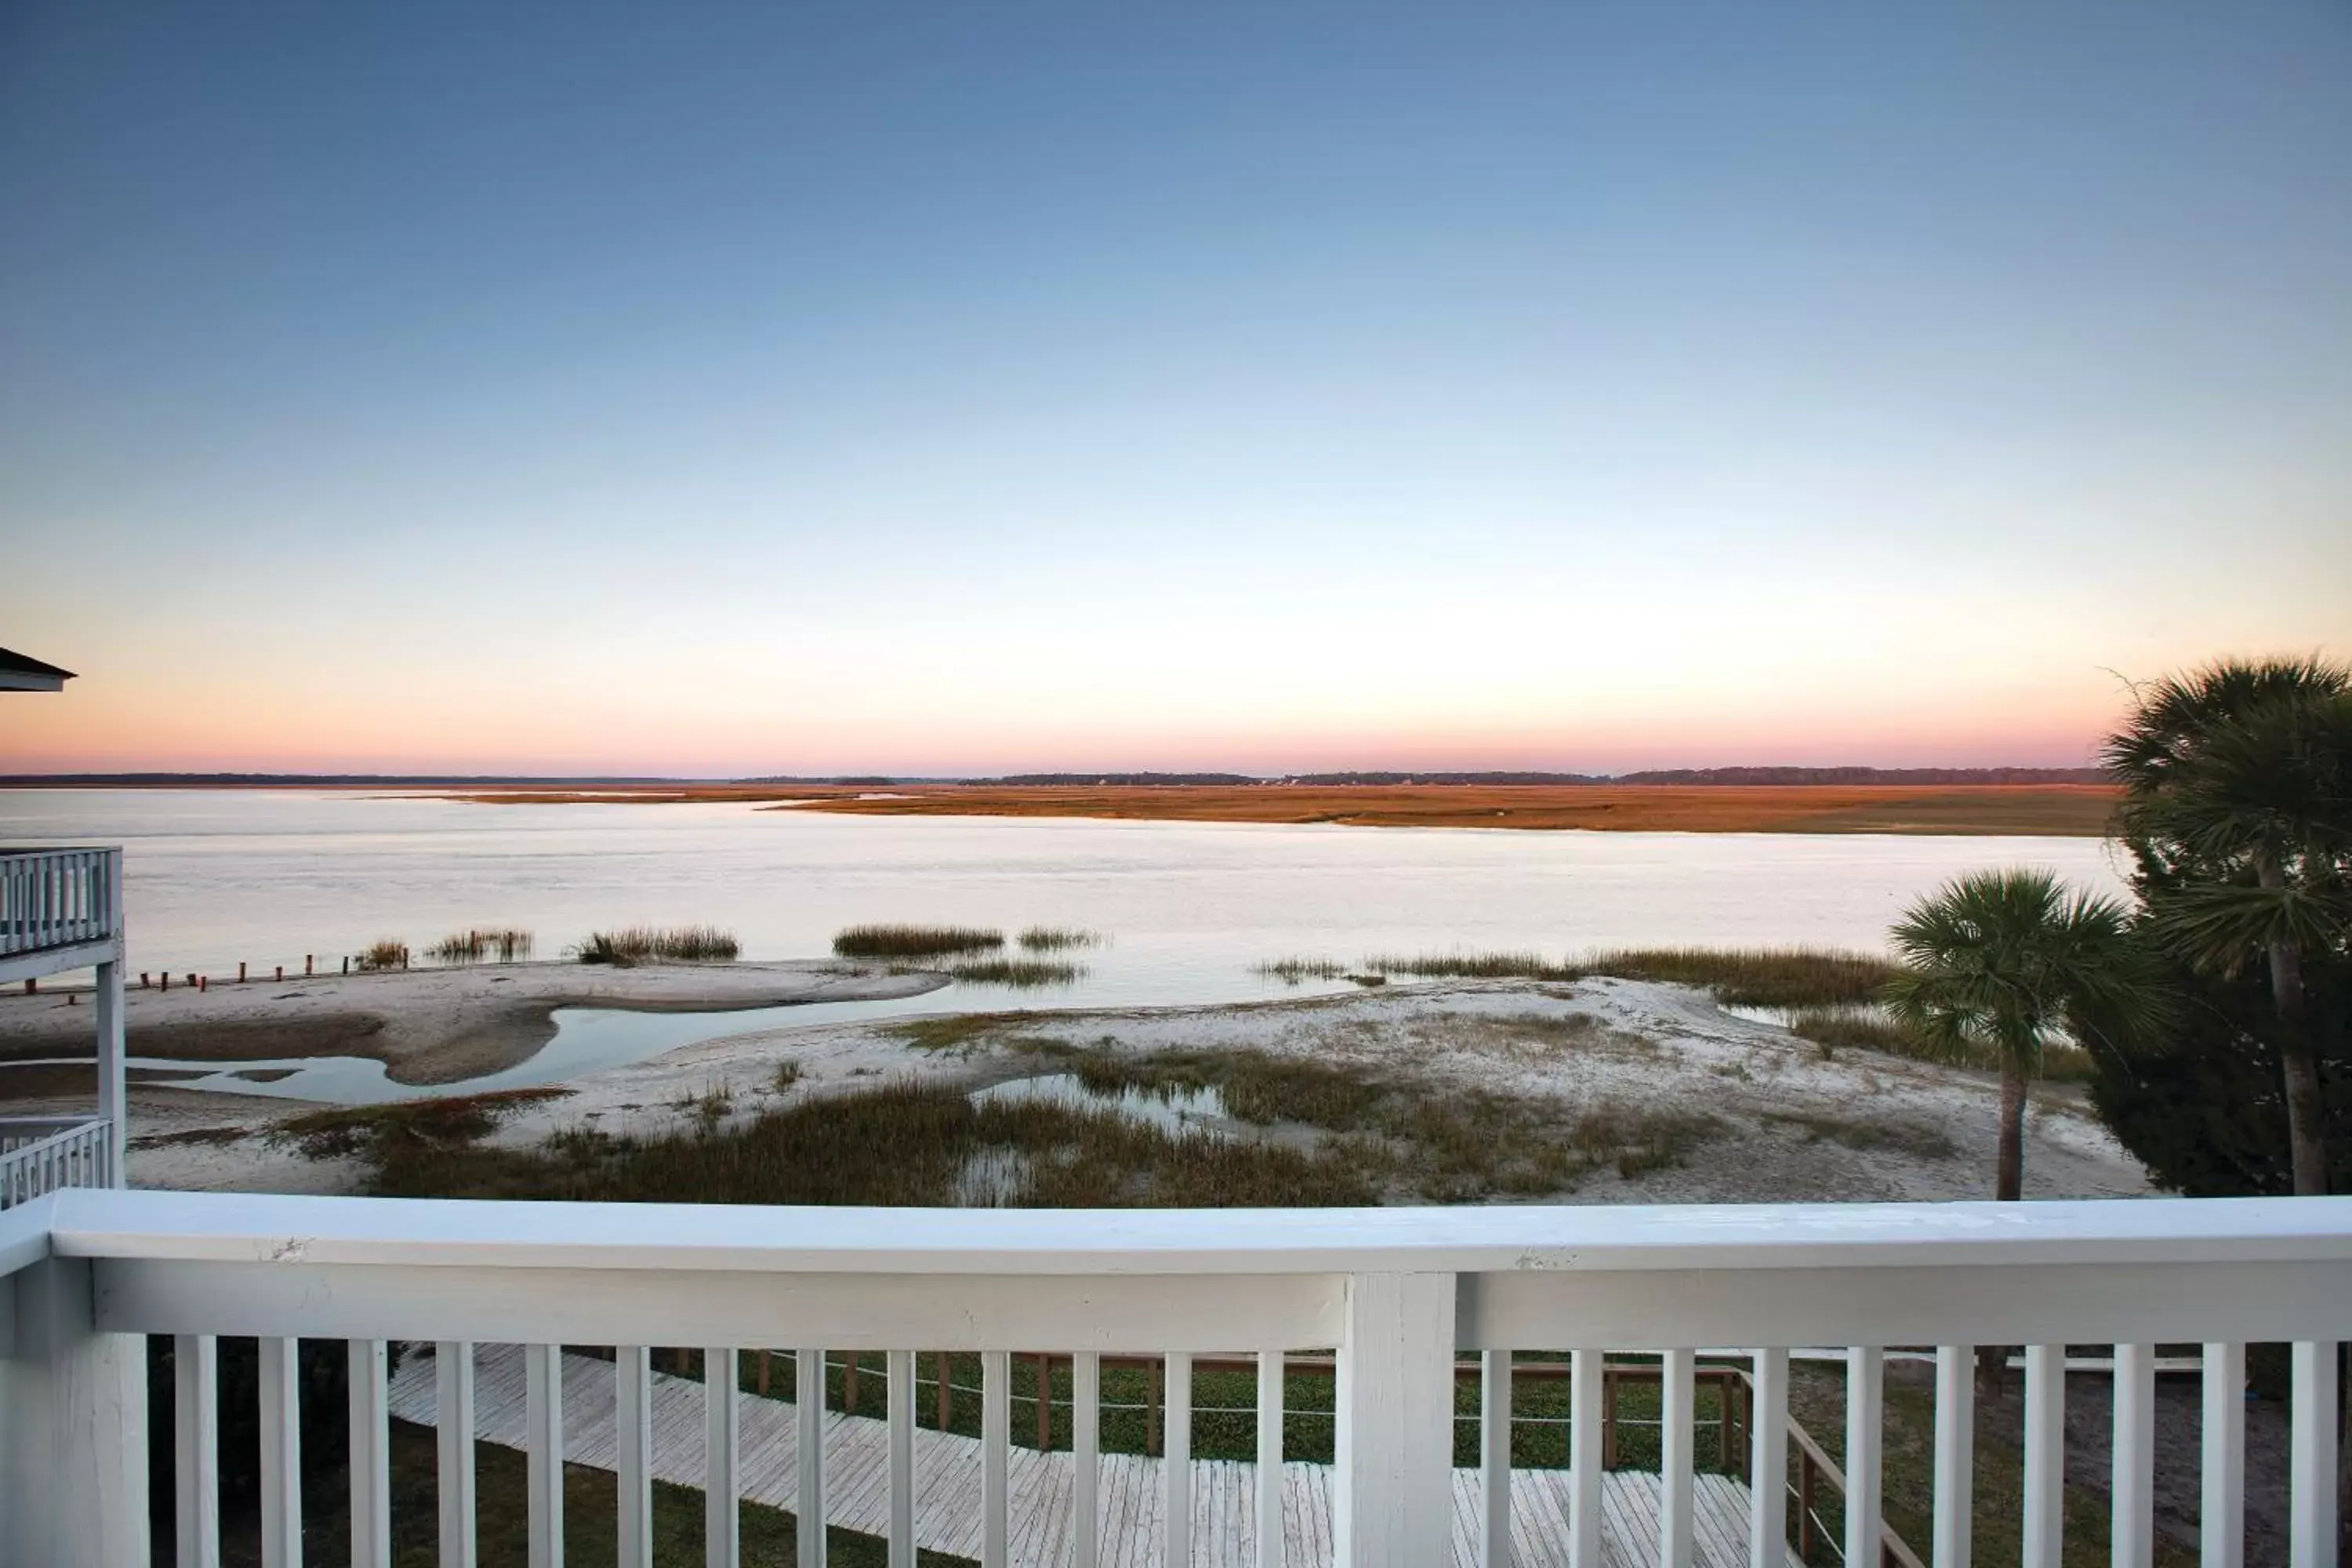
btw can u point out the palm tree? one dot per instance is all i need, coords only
(2238, 806)
(2002, 962)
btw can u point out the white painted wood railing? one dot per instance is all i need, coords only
(1392, 1293)
(41, 1154)
(58, 898)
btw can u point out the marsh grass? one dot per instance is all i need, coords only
(1866, 1028)
(644, 944)
(887, 941)
(1060, 939)
(383, 1132)
(1293, 971)
(505, 945)
(1444, 1144)
(1021, 974)
(901, 1144)
(961, 1032)
(1753, 977)
(388, 952)
(788, 1073)
(1471, 966)
(1910, 1138)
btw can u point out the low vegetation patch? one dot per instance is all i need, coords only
(406, 1127)
(646, 944)
(1021, 974)
(1911, 1138)
(1472, 966)
(388, 952)
(1440, 1143)
(1753, 977)
(914, 941)
(900, 1145)
(1059, 939)
(504, 945)
(1292, 971)
(1869, 1029)
(961, 1032)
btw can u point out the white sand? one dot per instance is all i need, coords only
(1790, 1119)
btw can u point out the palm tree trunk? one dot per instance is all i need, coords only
(2008, 1187)
(2008, 1178)
(2298, 1058)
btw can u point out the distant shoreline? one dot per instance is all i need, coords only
(2056, 809)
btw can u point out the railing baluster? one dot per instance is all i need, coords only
(1677, 1439)
(1866, 1402)
(808, 1415)
(453, 1418)
(633, 1456)
(1086, 1459)
(2221, 1511)
(2045, 1455)
(899, 1379)
(2130, 1538)
(1767, 1465)
(1177, 1423)
(722, 1464)
(281, 1453)
(1956, 1442)
(1585, 1390)
(2311, 1457)
(370, 1454)
(996, 1439)
(1494, 1458)
(1272, 1394)
(543, 1434)
(196, 1411)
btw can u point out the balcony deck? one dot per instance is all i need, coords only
(1132, 1528)
(1394, 1296)
(60, 908)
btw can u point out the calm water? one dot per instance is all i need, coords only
(216, 877)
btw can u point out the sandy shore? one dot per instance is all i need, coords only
(426, 1025)
(1792, 1125)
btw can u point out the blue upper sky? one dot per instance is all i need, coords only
(702, 388)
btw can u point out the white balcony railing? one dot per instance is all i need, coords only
(41, 1154)
(52, 899)
(566, 1299)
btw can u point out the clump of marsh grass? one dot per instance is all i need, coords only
(900, 1144)
(887, 940)
(641, 944)
(389, 953)
(1059, 939)
(388, 1131)
(1021, 974)
(1293, 971)
(1753, 977)
(1472, 966)
(506, 944)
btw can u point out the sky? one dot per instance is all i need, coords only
(716, 390)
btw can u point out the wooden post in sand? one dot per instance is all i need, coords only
(305, 965)
(240, 972)
(282, 974)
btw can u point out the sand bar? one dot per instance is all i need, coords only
(426, 1025)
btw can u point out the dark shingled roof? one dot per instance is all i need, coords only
(21, 664)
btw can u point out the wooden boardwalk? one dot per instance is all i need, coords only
(947, 1481)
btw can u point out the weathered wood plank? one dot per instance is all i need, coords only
(1133, 1524)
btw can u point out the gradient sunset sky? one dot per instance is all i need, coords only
(722, 390)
